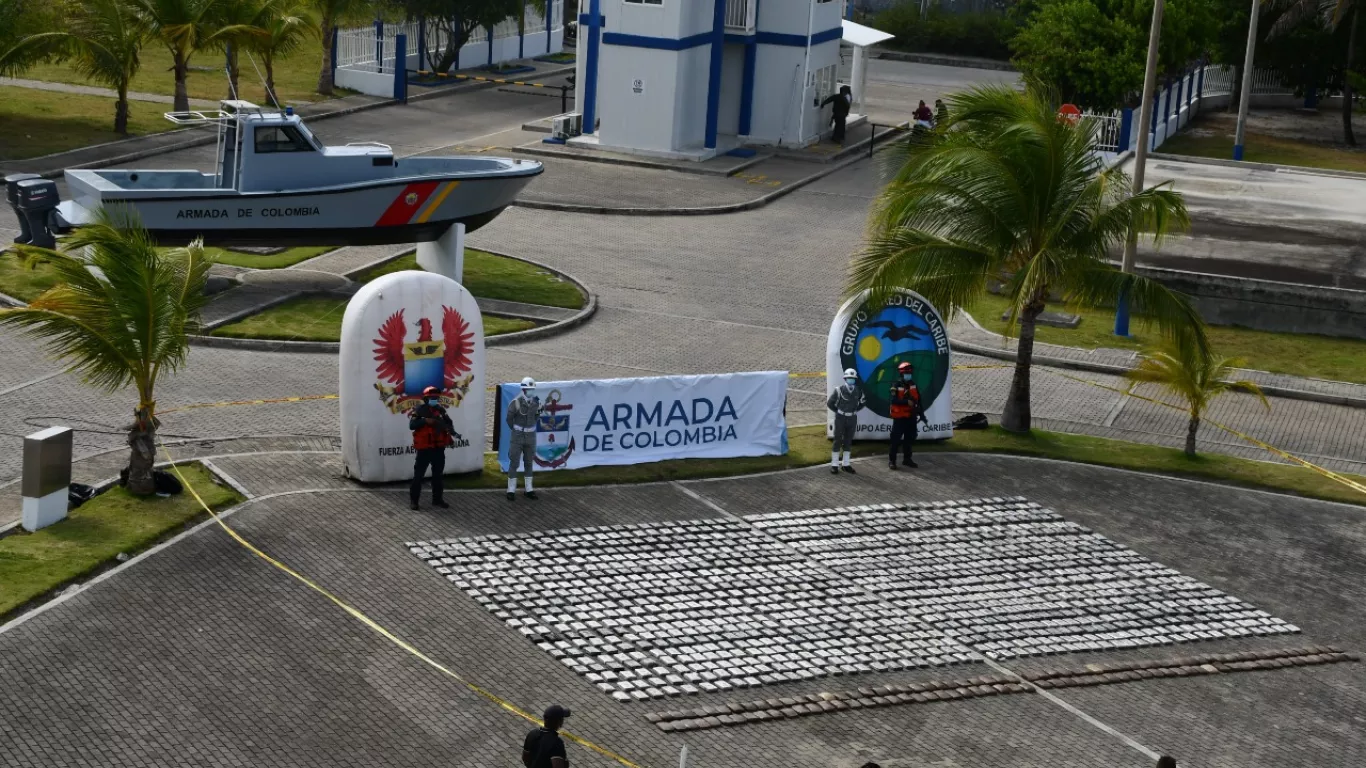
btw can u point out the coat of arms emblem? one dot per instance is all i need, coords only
(554, 443)
(409, 367)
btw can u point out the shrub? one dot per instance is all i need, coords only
(984, 34)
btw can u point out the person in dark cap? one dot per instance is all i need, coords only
(543, 747)
(842, 102)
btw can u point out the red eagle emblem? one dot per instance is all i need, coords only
(406, 368)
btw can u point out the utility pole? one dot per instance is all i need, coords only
(1145, 119)
(1246, 93)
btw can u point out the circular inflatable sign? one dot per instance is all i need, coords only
(875, 340)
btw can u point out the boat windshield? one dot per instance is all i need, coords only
(308, 135)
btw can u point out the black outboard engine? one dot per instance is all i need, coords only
(37, 202)
(12, 194)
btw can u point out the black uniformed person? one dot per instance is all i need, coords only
(433, 433)
(842, 101)
(543, 747)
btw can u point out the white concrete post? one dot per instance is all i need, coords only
(445, 256)
(47, 477)
(858, 78)
(580, 66)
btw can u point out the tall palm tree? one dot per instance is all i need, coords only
(330, 12)
(247, 19)
(1332, 13)
(122, 317)
(1007, 190)
(285, 26)
(1195, 376)
(101, 38)
(186, 27)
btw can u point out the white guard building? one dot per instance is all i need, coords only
(696, 78)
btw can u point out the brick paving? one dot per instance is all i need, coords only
(203, 655)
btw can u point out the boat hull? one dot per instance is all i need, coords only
(415, 210)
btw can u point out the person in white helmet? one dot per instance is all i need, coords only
(846, 401)
(521, 420)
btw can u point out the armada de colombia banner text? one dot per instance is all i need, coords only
(634, 421)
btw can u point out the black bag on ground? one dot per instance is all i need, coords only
(78, 494)
(972, 421)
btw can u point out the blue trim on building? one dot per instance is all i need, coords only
(795, 41)
(830, 34)
(657, 43)
(718, 42)
(747, 87)
(521, 33)
(592, 23)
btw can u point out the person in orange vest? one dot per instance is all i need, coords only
(906, 408)
(433, 432)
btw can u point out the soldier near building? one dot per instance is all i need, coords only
(842, 102)
(905, 409)
(521, 417)
(433, 433)
(846, 401)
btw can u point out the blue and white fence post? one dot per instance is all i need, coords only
(549, 20)
(521, 32)
(379, 45)
(490, 31)
(421, 43)
(1126, 129)
(1179, 83)
(401, 68)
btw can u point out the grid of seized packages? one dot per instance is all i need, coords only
(665, 609)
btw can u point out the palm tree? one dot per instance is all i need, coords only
(101, 38)
(1007, 190)
(186, 27)
(122, 317)
(285, 25)
(1195, 376)
(1331, 13)
(329, 13)
(19, 19)
(247, 18)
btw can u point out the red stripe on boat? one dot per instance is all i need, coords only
(407, 204)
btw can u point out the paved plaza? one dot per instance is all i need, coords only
(982, 611)
(202, 654)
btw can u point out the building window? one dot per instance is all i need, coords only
(280, 138)
(644, 2)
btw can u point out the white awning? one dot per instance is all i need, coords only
(861, 36)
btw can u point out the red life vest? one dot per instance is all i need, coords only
(903, 398)
(427, 437)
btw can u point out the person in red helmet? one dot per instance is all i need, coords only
(906, 408)
(433, 433)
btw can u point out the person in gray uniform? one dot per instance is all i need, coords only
(846, 402)
(521, 420)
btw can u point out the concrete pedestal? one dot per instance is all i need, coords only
(445, 256)
(43, 511)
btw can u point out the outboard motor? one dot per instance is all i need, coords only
(12, 194)
(36, 201)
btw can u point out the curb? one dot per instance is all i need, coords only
(969, 62)
(606, 160)
(590, 308)
(1119, 370)
(1273, 167)
(204, 141)
(707, 210)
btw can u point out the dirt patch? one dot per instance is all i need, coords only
(1323, 126)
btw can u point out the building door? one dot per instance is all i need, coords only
(826, 86)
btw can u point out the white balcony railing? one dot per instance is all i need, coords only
(740, 14)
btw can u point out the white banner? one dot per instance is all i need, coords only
(874, 341)
(401, 334)
(635, 421)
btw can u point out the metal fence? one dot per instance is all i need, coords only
(371, 48)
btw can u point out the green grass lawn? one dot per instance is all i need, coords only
(1261, 148)
(280, 260)
(296, 76)
(34, 564)
(319, 318)
(497, 277)
(36, 123)
(1319, 357)
(562, 57)
(27, 282)
(808, 446)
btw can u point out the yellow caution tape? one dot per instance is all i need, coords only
(425, 73)
(378, 628)
(1324, 471)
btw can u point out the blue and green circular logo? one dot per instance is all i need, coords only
(878, 339)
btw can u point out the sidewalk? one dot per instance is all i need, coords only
(91, 90)
(968, 336)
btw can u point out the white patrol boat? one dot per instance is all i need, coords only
(278, 185)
